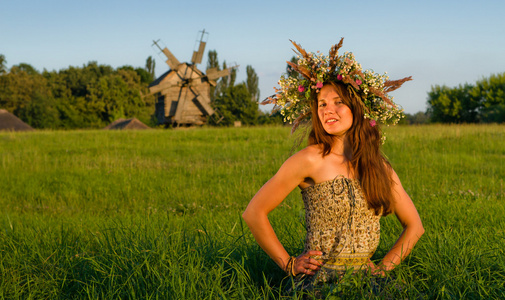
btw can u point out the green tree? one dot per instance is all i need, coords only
(490, 94)
(227, 81)
(3, 66)
(40, 112)
(145, 76)
(113, 94)
(235, 105)
(25, 68)
(223, 83)
(252, 82)
(28, 95)
(482, 102)
(69, 115)
(150, 66)
(232, 77)
(212, 62)
(18, 87)
(453, 105)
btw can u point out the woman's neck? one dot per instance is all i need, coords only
(337, 147)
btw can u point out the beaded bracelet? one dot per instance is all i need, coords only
(290, 266)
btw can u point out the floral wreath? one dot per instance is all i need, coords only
(293, 98)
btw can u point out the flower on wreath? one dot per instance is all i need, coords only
(293, 98)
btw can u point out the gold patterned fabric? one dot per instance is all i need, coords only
(339, 224)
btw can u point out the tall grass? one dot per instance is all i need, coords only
(156, 214)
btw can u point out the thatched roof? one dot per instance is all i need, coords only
(10, 122)
(121, 124)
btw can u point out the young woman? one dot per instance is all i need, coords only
(346, 183)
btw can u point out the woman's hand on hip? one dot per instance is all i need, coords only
(375, 270)
(306, 264)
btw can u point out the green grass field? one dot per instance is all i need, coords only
(156, 214)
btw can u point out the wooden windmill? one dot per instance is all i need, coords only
(183, 92)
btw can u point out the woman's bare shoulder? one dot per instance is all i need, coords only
(300, 165)
(309, 155)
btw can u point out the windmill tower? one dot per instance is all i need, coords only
(183, 92)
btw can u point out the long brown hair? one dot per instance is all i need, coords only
(362, 146)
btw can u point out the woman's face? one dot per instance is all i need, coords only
(334, 115)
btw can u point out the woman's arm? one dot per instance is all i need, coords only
(289, 176)
(408, 216)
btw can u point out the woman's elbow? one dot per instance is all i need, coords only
(421, 230)
(245, 215)
(253, 216)
(248, 215)
(415, 228)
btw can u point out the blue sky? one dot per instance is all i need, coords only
(436, 42)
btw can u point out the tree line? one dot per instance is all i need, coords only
(77, 97)
(482, 102)
(94, 95)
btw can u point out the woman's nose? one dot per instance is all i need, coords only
(329, 109)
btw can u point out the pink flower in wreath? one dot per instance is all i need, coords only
(373, 123)
(358, 82)
(339, 77)
(319, 85)
(301, 88)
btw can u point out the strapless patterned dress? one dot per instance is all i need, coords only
(339, 224)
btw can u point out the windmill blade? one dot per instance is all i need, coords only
(218, 116)
(160, 87)
(201, 100)
(198, 55)
(214, 73)
(171, 61)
